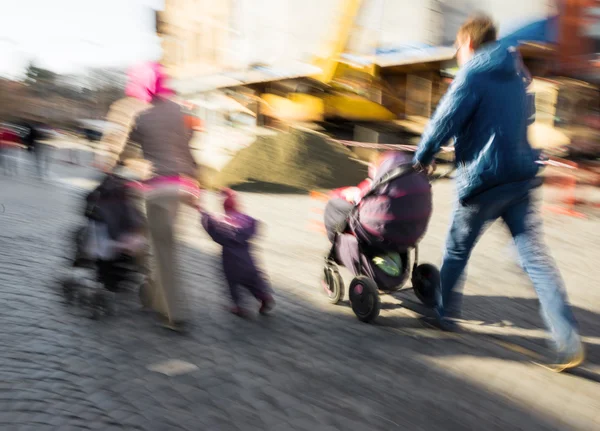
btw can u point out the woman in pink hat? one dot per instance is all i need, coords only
(149, 117)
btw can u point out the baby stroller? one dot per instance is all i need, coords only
(375, 239)
(112, 244)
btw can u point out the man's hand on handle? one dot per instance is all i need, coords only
(428, 169)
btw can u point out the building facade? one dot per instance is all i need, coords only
(195, 36)
(204, 35)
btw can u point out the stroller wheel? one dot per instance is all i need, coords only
(111, 282)
(364, 298)
(426, 284)
(110, 304)
(333, 285)
(99, 304)
(145, 295)
(69, 288)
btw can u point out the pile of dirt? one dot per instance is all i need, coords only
(296, 160)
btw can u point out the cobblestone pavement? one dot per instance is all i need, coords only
(311, 366)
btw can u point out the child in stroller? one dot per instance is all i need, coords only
(372, 229)
(111, 242)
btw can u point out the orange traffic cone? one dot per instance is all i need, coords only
(569, 184)
(314, 224)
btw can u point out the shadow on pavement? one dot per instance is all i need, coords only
(503, 312)
(265, 187)
(310, 369)
(305, 368)
(523, 313)
(302, 368)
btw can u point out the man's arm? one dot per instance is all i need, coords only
(453, 112)
(527, 81)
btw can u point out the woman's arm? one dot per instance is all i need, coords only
(214, 228)
(224, 233)
(122, 118)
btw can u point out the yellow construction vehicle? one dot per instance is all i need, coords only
(341, 90)
(349, 97)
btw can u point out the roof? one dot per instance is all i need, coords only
(543, 31)
(385, 57)
(221, 102)
(203, 84)
(404, 55)
(276, 72)
(407, 55)
(258, 75)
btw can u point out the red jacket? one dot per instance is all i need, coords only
(353, 194)
(8, 138)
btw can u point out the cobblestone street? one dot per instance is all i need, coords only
(310, 366)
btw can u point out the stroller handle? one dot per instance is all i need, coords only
(119, 172)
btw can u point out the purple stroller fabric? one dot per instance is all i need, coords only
(396, 215)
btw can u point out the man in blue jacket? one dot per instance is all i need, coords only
(486, 111)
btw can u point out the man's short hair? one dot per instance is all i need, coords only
(480, 29)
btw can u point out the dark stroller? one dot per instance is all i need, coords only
(111, 244)
(390, 219)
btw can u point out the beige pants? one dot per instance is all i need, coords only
(167, 295)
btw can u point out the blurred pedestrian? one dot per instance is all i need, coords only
(151, 119)
(487, 112)
(10, 149)
(234, 232)
(41, 152)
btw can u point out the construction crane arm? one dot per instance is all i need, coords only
(337, 44)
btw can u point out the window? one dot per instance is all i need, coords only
(418, 96)
(545, 105)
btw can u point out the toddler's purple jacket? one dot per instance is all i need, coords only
(234, 233)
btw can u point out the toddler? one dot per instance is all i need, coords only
(233, 232)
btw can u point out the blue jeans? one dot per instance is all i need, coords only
(519, 211)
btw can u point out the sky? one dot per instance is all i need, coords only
(68, 36)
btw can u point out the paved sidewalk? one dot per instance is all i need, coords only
(311, 366)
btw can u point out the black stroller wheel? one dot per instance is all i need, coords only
(332, 283)
(426, 284)
(110, 304)
(108, 275)
(100, 304)
(364, 298)
(69, 290)
(145, 295)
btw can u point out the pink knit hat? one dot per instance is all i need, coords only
(147, 81)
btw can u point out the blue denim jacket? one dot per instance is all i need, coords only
(486, 111)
